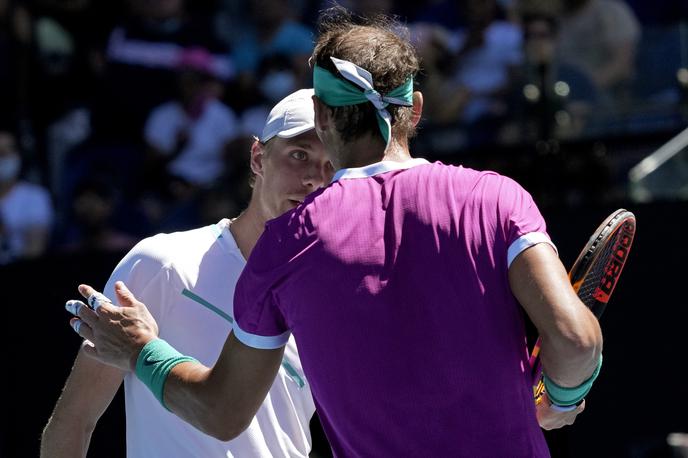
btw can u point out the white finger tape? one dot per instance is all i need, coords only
(76, 325)
(97, 299)
(73, 306)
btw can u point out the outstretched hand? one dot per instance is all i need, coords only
(115, 334)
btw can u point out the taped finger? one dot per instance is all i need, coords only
(74, 306)
(96, 299)
(75, 323)
(82, 328)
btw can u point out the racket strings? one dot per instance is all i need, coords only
(596, 272)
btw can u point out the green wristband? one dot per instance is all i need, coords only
(156, 360)
(564, 396)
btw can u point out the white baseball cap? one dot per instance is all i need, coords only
(292, 116)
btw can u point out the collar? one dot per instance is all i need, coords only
(376, 169)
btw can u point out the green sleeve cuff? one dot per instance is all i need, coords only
(156, 360)
(565, 396)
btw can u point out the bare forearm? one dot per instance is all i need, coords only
(189, 393)
(223, 400)
(87, 393)
(571, 336)
(62, 438)
(570, 358)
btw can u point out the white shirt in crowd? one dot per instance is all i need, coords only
(200, 162)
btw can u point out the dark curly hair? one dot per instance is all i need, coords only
(379, 44)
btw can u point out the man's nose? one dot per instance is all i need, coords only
(316, 176)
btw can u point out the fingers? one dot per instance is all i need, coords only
(86, 314)
(81, 328)
(90, 351)
(74, 306)
(86, 290)
(94, 298)
(125, 298)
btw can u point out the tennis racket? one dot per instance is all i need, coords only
(595, 274)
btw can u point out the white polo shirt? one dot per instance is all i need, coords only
(187, 281)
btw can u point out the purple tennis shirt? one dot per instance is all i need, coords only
(393, 280)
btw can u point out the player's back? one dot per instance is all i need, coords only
(398, 297)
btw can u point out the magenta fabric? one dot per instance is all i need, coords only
(395, 288)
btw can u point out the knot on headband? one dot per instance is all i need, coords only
(358, 88)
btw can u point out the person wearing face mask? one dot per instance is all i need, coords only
(26, 211)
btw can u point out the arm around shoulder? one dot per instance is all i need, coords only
(88, 391)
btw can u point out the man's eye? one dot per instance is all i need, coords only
(299, 155)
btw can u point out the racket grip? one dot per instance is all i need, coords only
(537, 373)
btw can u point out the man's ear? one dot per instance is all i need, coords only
(417, 107)
(257, 156)
(322, 115)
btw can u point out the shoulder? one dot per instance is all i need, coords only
(162, 256)
(166, 249)
(465, 175)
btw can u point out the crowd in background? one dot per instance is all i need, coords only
(121, 119)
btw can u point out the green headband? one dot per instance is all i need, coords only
(358, 88)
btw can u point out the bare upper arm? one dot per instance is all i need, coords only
(541, 285)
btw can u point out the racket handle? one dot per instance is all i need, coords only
(536, 372)
(534, 360)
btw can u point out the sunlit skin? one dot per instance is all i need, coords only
(287, 170)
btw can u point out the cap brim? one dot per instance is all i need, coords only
(290, 133)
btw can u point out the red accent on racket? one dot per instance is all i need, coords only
(595, 274)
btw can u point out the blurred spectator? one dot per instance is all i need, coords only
(91, 224)
(275, 79)
(469, 71)
(26, 212)
(141, 58)
(600, 38)
(551, 99)
(488, 50)
(187, 135)
(445, 99)
(272, 28)
(268, 29)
